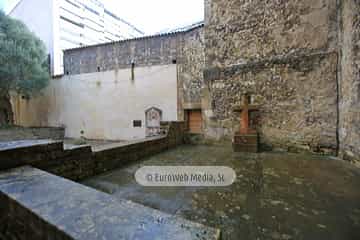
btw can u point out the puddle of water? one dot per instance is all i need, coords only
(275, 196)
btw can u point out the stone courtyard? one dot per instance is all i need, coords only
(270, 89)
(276, 195)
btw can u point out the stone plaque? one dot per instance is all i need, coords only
(153, 119)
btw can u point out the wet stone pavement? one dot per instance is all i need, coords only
(276, 195)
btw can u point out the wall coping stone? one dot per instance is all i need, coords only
(83, 213)
(11, 145)
(124, 144)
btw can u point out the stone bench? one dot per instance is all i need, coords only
(37, 205)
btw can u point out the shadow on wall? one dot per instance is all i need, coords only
(33, 111)
(6, 114)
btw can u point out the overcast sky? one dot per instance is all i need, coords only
(152, 16)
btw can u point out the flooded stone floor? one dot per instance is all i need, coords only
(276, 195)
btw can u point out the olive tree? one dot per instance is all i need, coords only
(24, 67)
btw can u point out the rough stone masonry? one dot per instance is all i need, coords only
(299, 60)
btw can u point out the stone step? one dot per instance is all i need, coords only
(246, 139)
(248, 148)
(246, 143)
(45, 206)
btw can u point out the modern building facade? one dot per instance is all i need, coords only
(66, 24)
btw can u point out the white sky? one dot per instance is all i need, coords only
(151, 16)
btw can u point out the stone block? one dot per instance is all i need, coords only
(246, 143)
(73, 211)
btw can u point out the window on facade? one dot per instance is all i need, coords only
(137, 123)
(91, 10)
(72, 22)
(75, 5)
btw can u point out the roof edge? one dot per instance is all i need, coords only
(200, 25)
(13, 8)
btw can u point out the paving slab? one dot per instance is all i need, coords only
(9, 145)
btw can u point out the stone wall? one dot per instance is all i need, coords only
(14, 226)
(190, 69)
(350, 81)
(147, 51)
(283, 53)
(50, 156)
(38, 205)
(21, 133)
(244, 31)
(81, 162)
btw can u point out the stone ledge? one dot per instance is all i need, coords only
(81, 162)
(15, 133)
(36, 201)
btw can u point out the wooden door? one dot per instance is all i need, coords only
(195, 121)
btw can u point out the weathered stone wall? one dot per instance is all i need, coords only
(190, 69)
(283, 53)
(350, 81)
(38, 205)
(21, 133)
(242, 31)
(18, 222)
(148, 51)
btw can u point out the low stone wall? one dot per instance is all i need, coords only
(80, 163)
(21, 133)
(37, 205)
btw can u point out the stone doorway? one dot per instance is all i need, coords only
(153, 118)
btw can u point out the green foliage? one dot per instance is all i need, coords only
(23, 59)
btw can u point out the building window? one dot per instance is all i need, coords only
(137, 123)
(72, 22)
(75, 5)
(91, 10)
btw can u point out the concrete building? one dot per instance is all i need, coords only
(65, 24)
